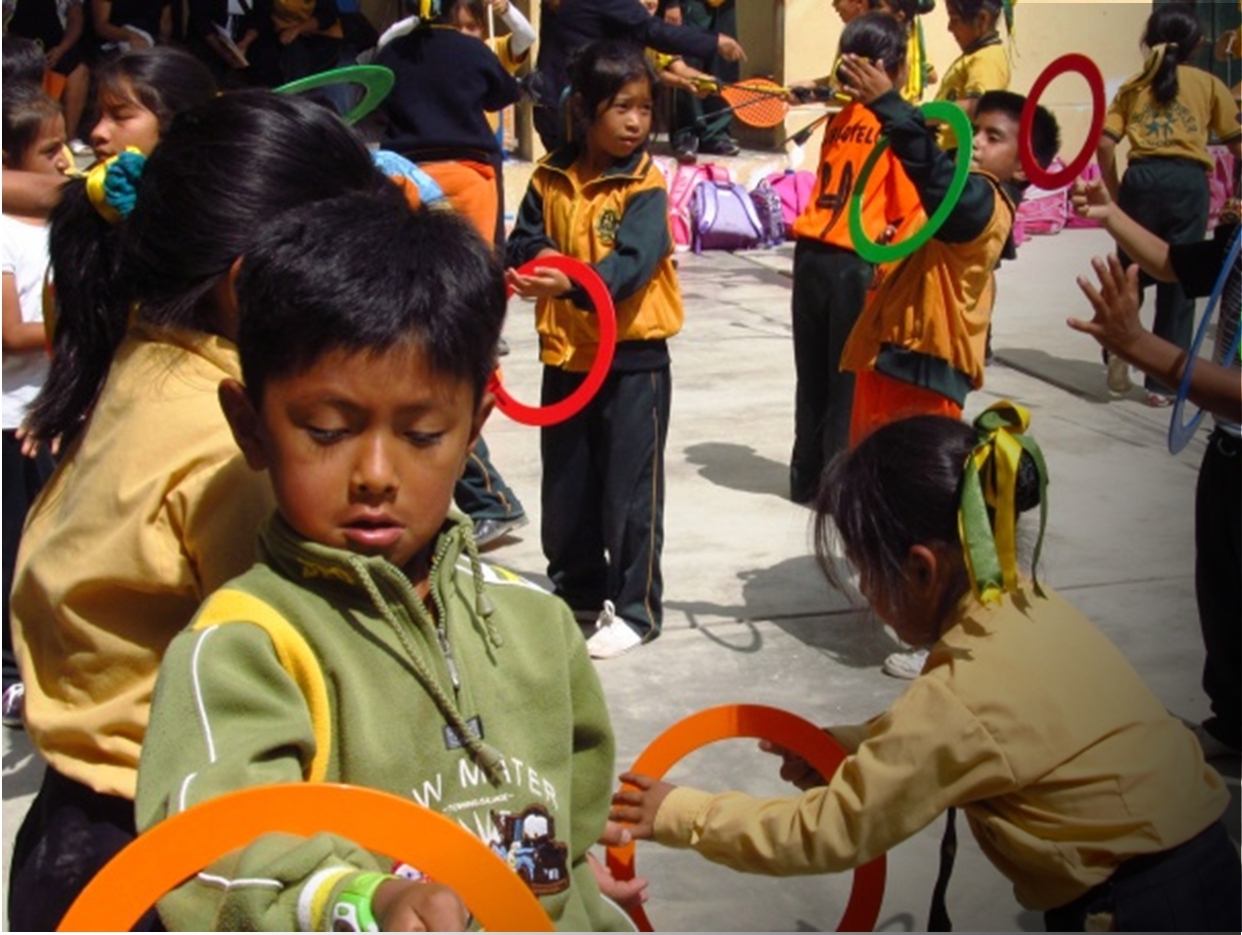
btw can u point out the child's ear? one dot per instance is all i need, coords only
(244, 421)
(226, 301)
(487, 402)
(922, 570)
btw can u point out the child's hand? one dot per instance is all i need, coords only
(543, 283)
(1091, 200)
(1116, 323)
(638, 807)
(730, 49)
(864, 80)
(625, 893)
(794, 769)
(410, 906)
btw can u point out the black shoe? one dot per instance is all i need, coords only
(487, 531)
(722, 146)
(686, 150)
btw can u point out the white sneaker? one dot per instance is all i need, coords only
(1118, 375)
(13, 705)
(613, 636)
(906, 665)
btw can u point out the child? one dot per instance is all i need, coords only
(1214, 386)
(830, 279)
(602, 200)
(59, 27)
(920, 73)
(1166, 112)
(138, 94)
(34, 141)
(919, 346)
(152, 507)
(850, 10)
(984, 63)
(32, 194)
(446, 81)
(1095, 803)
(364, 373)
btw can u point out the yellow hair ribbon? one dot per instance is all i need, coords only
(114, 201)
(987, 516)
(1151, 67)
(95, 178)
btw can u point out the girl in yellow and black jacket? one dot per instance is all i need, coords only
(603, 201)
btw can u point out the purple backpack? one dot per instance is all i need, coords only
(768, 208)
(723, 217)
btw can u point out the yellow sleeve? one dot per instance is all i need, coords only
(927, 752)
(1117, 116)
(1225, 115)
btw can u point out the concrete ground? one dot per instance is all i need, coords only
(749, 619)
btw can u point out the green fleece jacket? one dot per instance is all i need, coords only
(500, 658)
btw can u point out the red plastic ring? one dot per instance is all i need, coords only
(177, 848)
(605, 313)
(793, 733)
(1039, 176)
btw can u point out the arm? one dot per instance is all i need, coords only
(913, 142)
(226, 716)
(1116, 326)
(903, 776)
(642, 242)
(528, 238)
(522, 33)
(101, 13)
(166, 24)
(75, 22)
(31, 193)
(1091, 200)
(502, 87)
(19, 336)
(1106, 156)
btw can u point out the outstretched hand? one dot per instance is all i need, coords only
(1091, 200)
(1116, 302)
(416, 906)
(863, 79)
(543, 283)
(628, 894)
(637, 807)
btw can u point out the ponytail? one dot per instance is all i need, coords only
(90, 322)
(1177, 30)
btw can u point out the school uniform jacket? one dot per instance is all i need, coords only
(1028, 719)
(927, 321)
(503, 660)
(617, 222)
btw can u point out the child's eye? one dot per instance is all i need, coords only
(325, 436)
(423, 439)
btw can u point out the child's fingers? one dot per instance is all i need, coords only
(639, 780)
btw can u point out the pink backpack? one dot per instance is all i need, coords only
(1042, 212)
(1221, 183)
(681, 195)
(794, 189)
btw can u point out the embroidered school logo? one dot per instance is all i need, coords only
(528, 844)
(321, 570)
(606, 226)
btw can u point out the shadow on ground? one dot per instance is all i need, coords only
(739, 467)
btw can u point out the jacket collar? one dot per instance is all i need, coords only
(992, 38)
(633, 167)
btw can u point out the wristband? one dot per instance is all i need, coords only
(351, 912)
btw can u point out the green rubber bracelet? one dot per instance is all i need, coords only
(376, 80)
(351, 912)
(873, 252)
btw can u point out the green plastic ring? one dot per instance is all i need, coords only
(376, 80)
(873, 252)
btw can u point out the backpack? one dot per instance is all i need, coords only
(794, 190)
(1041, 211)
(723, 217)
(1221, 182)
(681, 192)
(768, 208)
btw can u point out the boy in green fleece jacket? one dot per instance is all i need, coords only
(365, 360)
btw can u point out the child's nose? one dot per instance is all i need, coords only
(374, 472)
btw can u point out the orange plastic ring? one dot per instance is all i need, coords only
(175, 849)
(793, 733)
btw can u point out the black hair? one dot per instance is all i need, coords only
(969, 10)
(909, 9)
(598, 72)
(165, 81)
(448, 13)
(24, 62)
(876, 37)
(901, 487)
(1180, 27)
(401, 277)
(1045, 131)
(221, 169)
(26, 109)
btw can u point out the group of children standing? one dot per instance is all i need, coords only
(166, 667)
